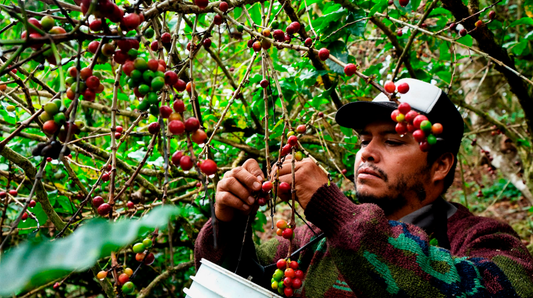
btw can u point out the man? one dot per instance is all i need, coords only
(405, 240)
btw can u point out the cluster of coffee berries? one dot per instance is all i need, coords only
(401, 88)
(106, 175)
(104, 9)
(284, 230)
(146, 78)
(46, 24)
(411, 121)
(166, 39)
(50, 150)
(141, 251)
(51, 117)
(101, 206)
(292, 141)
(287, 277)
(123, 279)
(89, 83)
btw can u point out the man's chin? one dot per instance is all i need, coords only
(387, 203)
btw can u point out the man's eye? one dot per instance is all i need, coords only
(364, 142)
(393, 143)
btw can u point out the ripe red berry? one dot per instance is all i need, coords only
(192, 124)
(176, 157)
(130, 21)
(350, 69)
(287, 234)
(390, 87)
(201, 3)
(418, 119)
(404, 107)
(3, 194)
(289, 272)
(199, 136)
(479, 23)
(153, 64)
(292, 140)
(50, 127)
(296, 283)
(399, 32)
(287, 281)
(104, 209)
(149, 259)
(403, 3)
(278, 35)
(410, 116)
(293, 265)
(424, 146)
(419, 135)
(436, 129)
(492, 14)
(267, 186)
(48, 159)
(92, 82)
(308, 42)
(223, 6)
(123, 278)
(32, 203)
(323, 54)
(165, 37)
(93, 46)
(153, 128)
(218, 19)
(284, 187)
(301, 128)
(13, 192)
(295, 26)
(130, 204)
(56, 285)
(35, 23)
(281, 264)
(176, 127)
(207, 43)
(208, 167)
(289, 292)
(299, 274)
(171, 78)
(186, 163)
(403, 88)
(264, 83)
(256, 46)
(285, 150)
(154, 45)
(24, 216)
(463, 32)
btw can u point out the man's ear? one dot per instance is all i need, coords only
(442, 166)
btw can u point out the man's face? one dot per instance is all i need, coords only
(390, 170)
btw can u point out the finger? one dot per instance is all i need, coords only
(248, 179)
(234, 186)
(227, 199)
(253, 168)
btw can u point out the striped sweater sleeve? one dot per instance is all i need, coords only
(384, 258)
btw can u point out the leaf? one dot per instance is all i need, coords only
(522, 21)
(33, 264)
(520, 47)
(467, 40)
(378, 7)
(528, 8)
(337, 49)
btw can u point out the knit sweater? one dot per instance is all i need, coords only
(366, 255)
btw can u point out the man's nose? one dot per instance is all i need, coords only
(370, 152)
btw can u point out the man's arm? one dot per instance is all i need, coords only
(378, 257)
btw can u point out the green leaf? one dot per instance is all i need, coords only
(337, 49)
(522, 21)
(378, 7)
(444, 51)
(33, 264)
(467, 40)
(520, 47)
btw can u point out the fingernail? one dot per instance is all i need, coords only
(259, 178)
(245, 207)
(251, 200)
(256, 185)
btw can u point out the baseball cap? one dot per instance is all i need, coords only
(423, 97)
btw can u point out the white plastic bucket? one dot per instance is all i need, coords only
(212, 280)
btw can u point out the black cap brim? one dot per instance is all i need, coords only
(360, 113)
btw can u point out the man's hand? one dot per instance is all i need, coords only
(235, 189)
(308, 177)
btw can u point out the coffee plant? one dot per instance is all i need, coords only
(119, 117)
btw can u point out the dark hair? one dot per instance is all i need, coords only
(437, 151)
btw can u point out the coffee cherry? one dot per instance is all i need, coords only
(165, 111)
(24, 216)
(418, 120)
(56, 285)
(199, 136)
(186, 163)
(223, 6)
(296, 283)
(390, 87)
(463, 32)
(101, 275)
(432, 140)
(410, 116)
(323, 54)
(149, 259)
(278, 35)
(123, 278)
(208, 167)
(401, 128)
(279, 232)
(165, 37)
(293, 265)
(128, 287)
(256, 46)
(104, 209)
(285, 150)
(289, 272)
(138, 247)
(264, 83)
(189, 86)
(403, 88)
(147, 242)
(281, 264)
(281, 224)
(404, 107)
(436, 129)
(403, 3)
(176, 158)
(419, 135)
(50, 127)
(267, 186)
(97, 201)
(287, 234)
(154, 128)
(399, 32)
(218, 19)
(192, 124)
(201, 3)
(295, 26)
(350, 69)
(301, 128)
(130, 205)
(284, 187)
(3, 194)
(32, 203)
(492, 14)
(424, 146)
(425, 126)
(292, 140)
(139, 257)
(176, 127)
(287, 281)
(299, 274)
(479, 23)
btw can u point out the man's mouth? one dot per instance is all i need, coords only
(368, 171)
